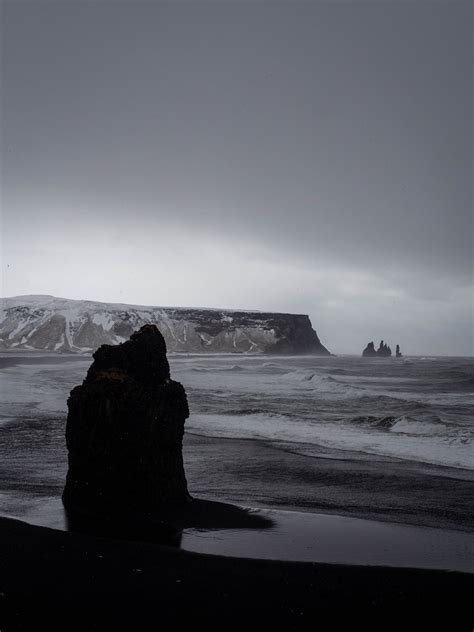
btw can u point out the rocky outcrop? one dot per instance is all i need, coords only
(383, 351)
(52, 324)
(124, 431)
(398, 352)
(369, 351)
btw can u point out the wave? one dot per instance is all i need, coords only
(429, 425)
(275, 366)
(402, 437)
(374, 422)
(390, 401)
(323, 383)
(207, 369)
(407, 425)
(238, 412)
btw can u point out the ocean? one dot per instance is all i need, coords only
(390, 438)
(419, 409)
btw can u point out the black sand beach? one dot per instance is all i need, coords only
(58, 580)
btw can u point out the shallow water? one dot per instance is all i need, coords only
(311, 537)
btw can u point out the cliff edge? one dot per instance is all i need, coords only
(48, 323)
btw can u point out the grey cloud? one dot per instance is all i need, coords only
(327, 136)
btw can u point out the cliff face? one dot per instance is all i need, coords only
(63, 325)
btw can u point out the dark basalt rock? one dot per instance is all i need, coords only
(369, 351)
(124, 431)
(398, 352)
(383, 351)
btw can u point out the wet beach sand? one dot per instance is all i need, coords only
(57, 580)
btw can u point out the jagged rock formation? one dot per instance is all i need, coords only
(62, 325)
(398, 352)
(369, 351)
(124, 431)
(383, 351)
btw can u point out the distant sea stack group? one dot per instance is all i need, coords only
(383, 351)
(125, 430)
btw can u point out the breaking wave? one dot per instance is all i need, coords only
(429, 425)
(398, 437)
(207, 369)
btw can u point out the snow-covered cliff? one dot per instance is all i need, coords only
(64, 325)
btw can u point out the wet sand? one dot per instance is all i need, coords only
(58, 580)
(217, 528)
(223, 566)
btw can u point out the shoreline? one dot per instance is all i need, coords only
(223, 528)
(257, 474)
(262, 475)
(72, 581)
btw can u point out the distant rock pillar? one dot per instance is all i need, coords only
(125, 431)
(369, 351)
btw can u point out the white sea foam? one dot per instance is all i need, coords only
(404, 440)
(410, 426)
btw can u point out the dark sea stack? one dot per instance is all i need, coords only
(369, 351)
(398, 352)
(125, 430)
(384, 350)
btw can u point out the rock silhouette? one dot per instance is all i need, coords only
(124, 431)
(383, 351)
(369, 351)
(398, 352)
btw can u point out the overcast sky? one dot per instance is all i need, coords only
(309, 157)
